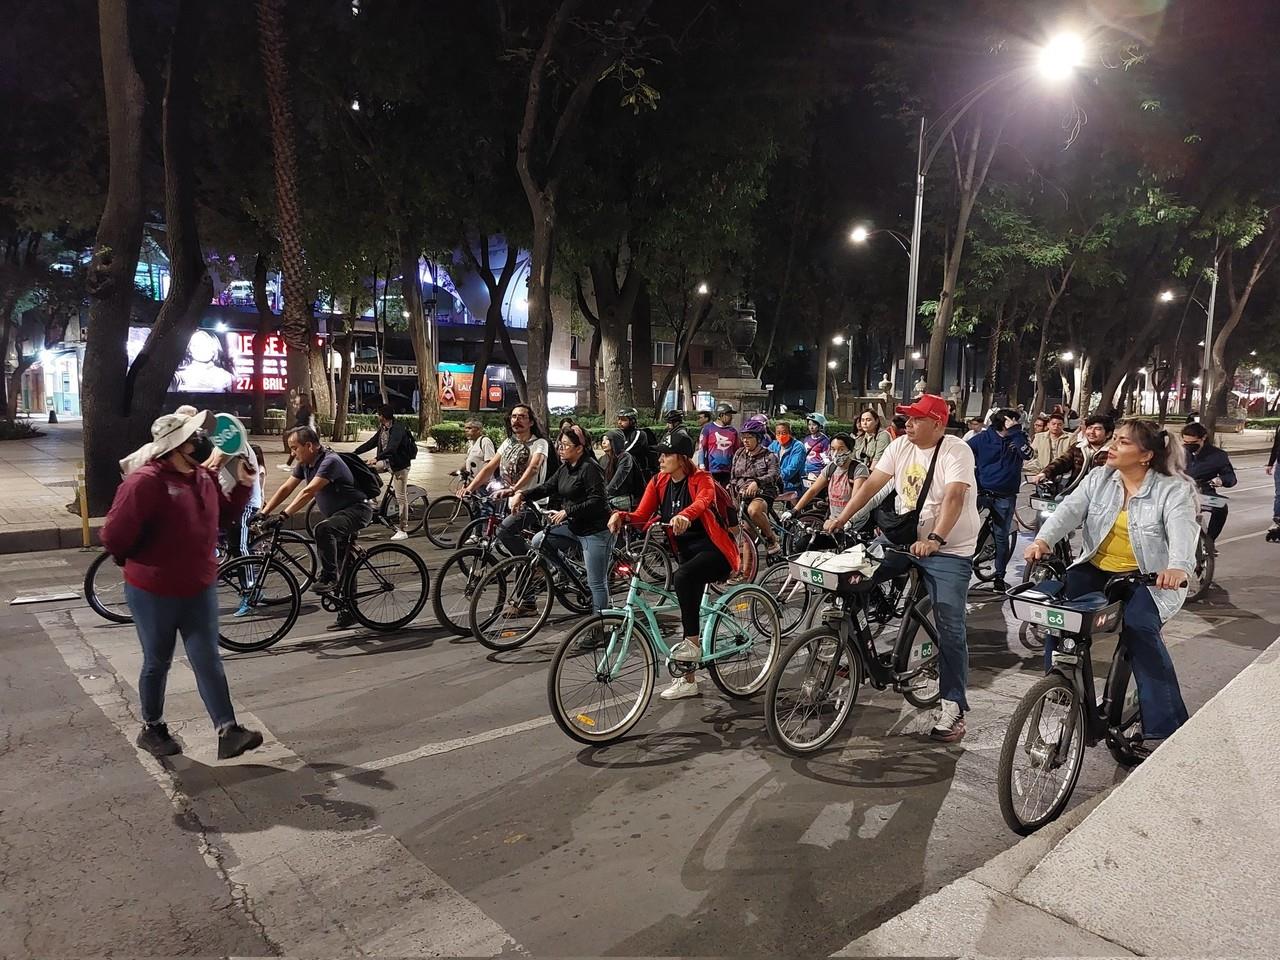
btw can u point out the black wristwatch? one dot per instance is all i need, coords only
(936, 539)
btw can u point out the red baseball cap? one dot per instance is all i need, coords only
(927, 405)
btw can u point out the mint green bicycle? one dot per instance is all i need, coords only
(603, 673)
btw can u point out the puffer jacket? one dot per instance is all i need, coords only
(761, 467)
(1163, 525)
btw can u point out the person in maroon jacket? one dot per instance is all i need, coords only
(163, 527)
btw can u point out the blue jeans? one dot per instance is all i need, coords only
(1158, 694)
(1275, 504)
(1001, 510)
(159, 620)
(597, 550)
(947, 580)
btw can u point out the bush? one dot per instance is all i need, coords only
(1263, 423)
(18, 430)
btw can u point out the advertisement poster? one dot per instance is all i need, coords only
(455, 383)
(220, 362)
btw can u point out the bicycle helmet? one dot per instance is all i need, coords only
(757, 425)
(628, 413)
(723, 408)
(674, 416)
(819, 419)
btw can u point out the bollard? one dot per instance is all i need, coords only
(83, 491)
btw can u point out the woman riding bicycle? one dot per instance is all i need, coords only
(839, 479)
(584, 509)
(757, 479)
(684, 496)
(1138, 513)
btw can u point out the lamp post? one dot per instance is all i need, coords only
(841, 340)
(1205, 380)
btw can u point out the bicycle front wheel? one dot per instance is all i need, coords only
(294, 551)
(1201, 580)
(1124, 714)
(387, 587)
(747, 621)
(1041, 756)
(454, 583)
(601, 679)
(791, 595)
(258, 603)
(511, 603)
(445, 519)
(104, 589)
(812, 691)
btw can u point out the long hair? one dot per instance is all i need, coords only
(534, 429)
(617, 446)
(1165, 449)
(879, 422)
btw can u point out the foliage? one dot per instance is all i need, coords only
(18, 430)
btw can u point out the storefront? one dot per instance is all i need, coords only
(53, 382)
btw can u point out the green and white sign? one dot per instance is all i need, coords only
(1054, 618)
(229, 435)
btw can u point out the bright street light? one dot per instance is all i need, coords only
(832, 364)
(838, 339)
(405, 314)
(1066, 356)
(1166, 296)
(703, 289)
(1060, 57)
(1200, 344)
(1257, 371)
(355, 105)
(915, 354)
(859, 235)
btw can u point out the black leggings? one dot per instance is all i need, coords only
(708, 565)
(1217, 520)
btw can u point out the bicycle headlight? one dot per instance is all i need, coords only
(1068, 645)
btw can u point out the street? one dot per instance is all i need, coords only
(414, 795)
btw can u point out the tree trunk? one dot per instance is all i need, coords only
(642, 348)
(266, 326)
(494, 322)
(684, 340)
(1084, 388)
(15, 386)
(345, 346)
(615, 306)
(593, 372)
(993, 358)
(380, 334)
(421, 333)
(684, 392)
(820, 394)
(541, 322)
(296, 320)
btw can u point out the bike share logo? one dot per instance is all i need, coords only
(815, 576)
(228, 434)
(1054, 618)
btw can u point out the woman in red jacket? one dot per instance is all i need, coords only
(683, 495)
(163, 527)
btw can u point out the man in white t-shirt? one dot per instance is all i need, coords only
(946, 537)
(520, 462)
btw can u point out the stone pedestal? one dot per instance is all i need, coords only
(745, 393)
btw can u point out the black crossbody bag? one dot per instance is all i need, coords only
(902, 529)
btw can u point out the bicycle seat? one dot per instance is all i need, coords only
(1085, 604)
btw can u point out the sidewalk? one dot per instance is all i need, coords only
(1178, 860)
(37, 481)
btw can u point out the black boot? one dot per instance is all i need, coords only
(235, 740)
(155, 739)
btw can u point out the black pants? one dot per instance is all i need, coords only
(1217, 520)
(334, 532)
(511, 531)
(708, 565)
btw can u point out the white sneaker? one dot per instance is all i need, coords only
(687, 651)
(949, 727)
(400, 535)
(285, 467)
(680, 689)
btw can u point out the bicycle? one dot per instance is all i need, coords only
(456, 579)
(514, 597)
(386, 511)
(814, 688)
(597, 690)
(984, 557)
(383, 588)
(1061, 715)
(293, 549)
(1052, 567)
(1206, 554)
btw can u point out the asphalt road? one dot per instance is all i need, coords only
(414, 795)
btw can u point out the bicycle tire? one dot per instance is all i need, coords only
(779, 713)
(279, 614)
(791, 595)
(311, 518)
(747, 604)
(984, 555)
(472, 534)
(1124, 713)
(375, 562)
(654, 566)
(1018, 822)
(1202, 579)
(504, 579)
(466, 564)
(1031, 635)
(910, 694)
(104, 589)
(444, 521)
(577, 722)
(417, 501)
(300, 556)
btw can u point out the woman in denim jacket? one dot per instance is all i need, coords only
(1138, 513)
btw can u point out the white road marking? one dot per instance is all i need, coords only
(35, 564)
(314, 872)
(1243, 536)
(830, 826)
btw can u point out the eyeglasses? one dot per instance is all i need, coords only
(565, 443)
(519, 416)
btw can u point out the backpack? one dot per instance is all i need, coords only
(408, 446)
(725, 510)
(366, 481)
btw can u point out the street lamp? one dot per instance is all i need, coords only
(1166, 296)
(703, 289)
(1066, 356)
(1061, 56)
(859, 235)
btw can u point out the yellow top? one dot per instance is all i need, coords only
(1115, 553)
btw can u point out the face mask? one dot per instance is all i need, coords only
(1191, 447)
(201, 448)
(840, 459)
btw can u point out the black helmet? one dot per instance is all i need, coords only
(674, 416)
(723, 408)
(628, 413)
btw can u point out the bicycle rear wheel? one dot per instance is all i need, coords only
(258, 602)
(104, 589)
(812, 691)
(984, 557)
(387, 586)
(511, 603)
(601, 679)
(1042, 754)
(417, 502)
(294, 551)
(746, 619)
(1201, 580)
(446, 517)
(652, 563)
(791, 595)
(454, 583)
(1124, 714)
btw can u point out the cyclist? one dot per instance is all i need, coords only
(973, 428)
(1088, 452)
(1138, 513)
(638, 441)
(946, 535)
(839, 480)
(816, 443)
(684, 496)
(1274, 533)
(872, 439)
(393, 441)
(757, 481)
(584, 511)
(718, 443)
(1052, 442)
(325, 478)
(675, 427)
(623, 479)
(999, 452)
(1208, 467)
(480, 448)
(520, 462)
(790, 453)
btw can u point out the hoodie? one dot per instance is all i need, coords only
(999, 459)
(627, 479)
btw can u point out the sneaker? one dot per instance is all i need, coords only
(344, 621)
(999, 585)
(590, 640)
(235, 740)
(949, 727)
(323, 585)
(687, 651)
(244, 609)
(774, 549)
(285, 467)
(520, 610)
(400, 535)
(155, 739)
(680, 689)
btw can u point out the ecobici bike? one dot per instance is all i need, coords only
(603, 673)
(1202, 579)
(816, 683)
(1043, 749)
